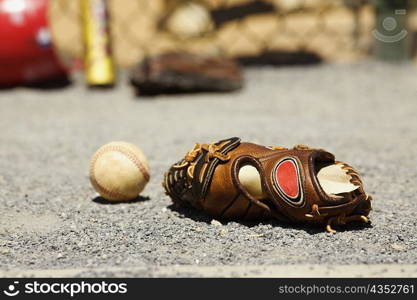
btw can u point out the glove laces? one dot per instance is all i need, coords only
(341, 219)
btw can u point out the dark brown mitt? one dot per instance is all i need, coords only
(236, 180)
(182, 72)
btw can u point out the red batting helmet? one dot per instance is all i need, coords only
(26, 53)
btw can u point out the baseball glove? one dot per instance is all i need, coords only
(235, 180)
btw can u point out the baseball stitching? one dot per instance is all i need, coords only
(129, 155)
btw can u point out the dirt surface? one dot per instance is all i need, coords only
(50, 218)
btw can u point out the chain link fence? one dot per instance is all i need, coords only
(334, 30)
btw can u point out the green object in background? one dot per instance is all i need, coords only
(392, 40)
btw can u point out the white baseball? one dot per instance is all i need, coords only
(190, 20)
(250, 178)
(119, 171)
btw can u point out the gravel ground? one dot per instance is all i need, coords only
(365, 114)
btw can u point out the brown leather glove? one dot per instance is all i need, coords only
(236, 180)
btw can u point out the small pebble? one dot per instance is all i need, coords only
(398, 246)
(215, 223)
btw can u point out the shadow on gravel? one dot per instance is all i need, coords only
(313, 229)
(189, 212)
(280, 58)
(198, 216)
(101, 200)
(53, 84)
